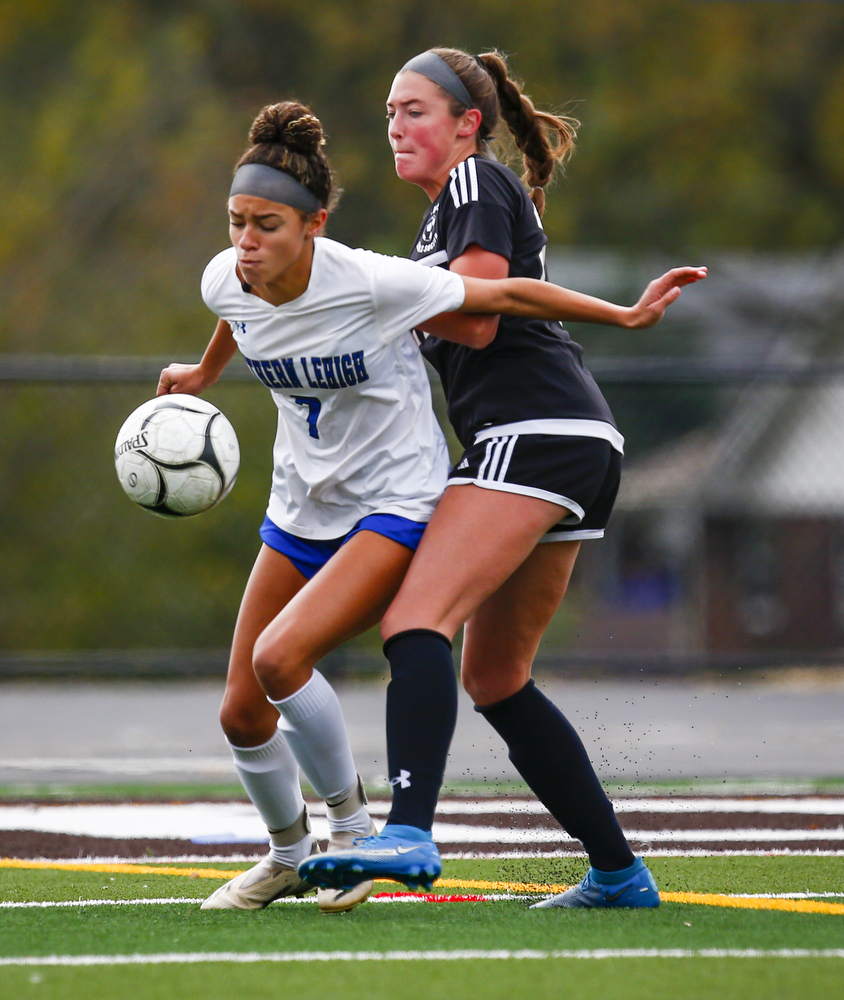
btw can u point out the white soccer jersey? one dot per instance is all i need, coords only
(356, 431)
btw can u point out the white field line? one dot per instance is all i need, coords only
(222, 822)
(692, 852)
(498, 897)
(762, 835)
(478, 807)
(49, 904)
(771, 806)
(175, 859)
(240, 822)
(176, 958)
(457, 833)
(289, 900)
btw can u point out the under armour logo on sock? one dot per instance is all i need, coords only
(403, 780)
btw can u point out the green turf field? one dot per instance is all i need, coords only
(378, 928)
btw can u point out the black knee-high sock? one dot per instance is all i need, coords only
(421, 715)
(550, 756)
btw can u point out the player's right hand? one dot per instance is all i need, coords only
(181, 378)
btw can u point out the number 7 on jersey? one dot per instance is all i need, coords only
(314, 406)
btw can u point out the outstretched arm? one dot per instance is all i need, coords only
(470, 329)
(542, 300)
(195, 379)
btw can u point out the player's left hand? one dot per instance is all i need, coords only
(659, 294)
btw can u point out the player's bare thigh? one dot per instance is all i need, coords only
(502, 636)
(247, 718)
(346, 597)
(476, 539)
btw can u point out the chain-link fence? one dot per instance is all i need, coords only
(726, 546)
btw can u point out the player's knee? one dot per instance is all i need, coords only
(468, 682)
(246, 724)
(486, 687)
(276, 660)
(268, 662)
(474, 684)
(405, 614)
(392, 623)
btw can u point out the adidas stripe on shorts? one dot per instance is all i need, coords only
(580, 473)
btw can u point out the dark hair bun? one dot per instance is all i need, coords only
(288, 124)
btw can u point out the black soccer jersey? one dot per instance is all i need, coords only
(532, 369)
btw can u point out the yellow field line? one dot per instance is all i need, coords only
(695, 898)
(743, 903)
(218, 873)
(462, 883)
(119, 869)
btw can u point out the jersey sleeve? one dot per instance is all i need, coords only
(479, 207)
(405, 294)
(214, 277)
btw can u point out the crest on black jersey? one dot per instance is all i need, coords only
(429, 237)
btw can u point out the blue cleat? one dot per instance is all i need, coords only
(399, 853)
(632, 887)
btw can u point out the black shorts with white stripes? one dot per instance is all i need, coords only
(580, 473)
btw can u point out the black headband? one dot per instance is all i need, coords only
(261, 181)
(437, 69)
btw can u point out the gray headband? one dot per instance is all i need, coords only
(262, 181)
(437, 69)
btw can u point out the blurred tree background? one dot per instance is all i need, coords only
(705, 125)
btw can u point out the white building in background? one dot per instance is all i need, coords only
(730, 538)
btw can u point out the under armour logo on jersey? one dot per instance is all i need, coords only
(238, 327)
(403, 780)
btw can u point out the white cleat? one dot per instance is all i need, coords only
(341, 900)
(258, 887)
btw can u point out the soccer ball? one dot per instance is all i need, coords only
(177, 455)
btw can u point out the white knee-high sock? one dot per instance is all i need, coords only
(270, 775)
(313, 726)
